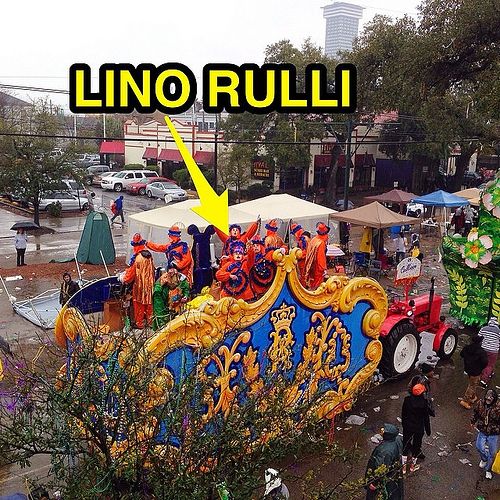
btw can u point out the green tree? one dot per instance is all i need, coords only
(234, 167)
(28, 166)
(438, 74)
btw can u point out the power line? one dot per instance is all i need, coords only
(33, 89)
(226, 141)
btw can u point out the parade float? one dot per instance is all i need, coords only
(325, 342)
(473, 263)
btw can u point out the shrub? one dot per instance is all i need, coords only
(255, 191)
(137, 166)
(55, 209)
(182, 178)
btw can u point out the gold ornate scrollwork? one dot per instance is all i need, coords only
(280, 352)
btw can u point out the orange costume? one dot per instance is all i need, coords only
(235, 271)
(302, 243)
(142, 274)
(236, 235)
(315, 262)
(138, 244)
(177, 252)
(273, 240)
(263, 271)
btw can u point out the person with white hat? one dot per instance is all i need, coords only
(275, 487)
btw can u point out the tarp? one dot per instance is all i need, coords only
(441, 199)
(96, 238)
(393, 196)
(471, 194)
(374, 215)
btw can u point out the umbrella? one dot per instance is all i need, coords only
(333, 251)
(24, 225)
(393, 196)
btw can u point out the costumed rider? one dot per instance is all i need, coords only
(315, 264)
(235, 234)
(263, 271)
(273, 240)
(177, 252)
(302, 243)
(138, 244)
(171, 293)
(234, 272)
(142, 276)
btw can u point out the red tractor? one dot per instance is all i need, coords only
(400, 332)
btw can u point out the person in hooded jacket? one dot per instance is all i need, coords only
(486, 419)
(68, 288)
(475, 361)
(415, 418)
(386, 482)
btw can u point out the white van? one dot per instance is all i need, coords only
(118, 181)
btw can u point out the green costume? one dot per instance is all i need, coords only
(166, 301)
(388, 480)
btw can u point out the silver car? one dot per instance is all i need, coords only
(166, 190)
(67, 200)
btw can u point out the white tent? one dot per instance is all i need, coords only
(287, 208)
(153, 224)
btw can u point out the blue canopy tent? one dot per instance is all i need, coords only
(441, 199)
(444, 200)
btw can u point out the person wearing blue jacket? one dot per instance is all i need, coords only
(118, 205)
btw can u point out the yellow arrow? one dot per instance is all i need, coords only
(214, 208)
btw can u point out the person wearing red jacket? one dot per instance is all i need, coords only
(315, 263)
(263, 271)
(142, 274)
(235, 234)
(177, 252)
(302, 243)
(234, 272)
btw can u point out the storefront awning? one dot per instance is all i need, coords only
(170, 155)
(150, 154)
(112, 148)
(204, 157)
(361, 160)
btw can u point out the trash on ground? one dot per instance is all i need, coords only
(363, 414)
(443, 453)
(355, 420)
(377, 439)
(395, 396)
(376, 409)
(17, 288)
(465, 461)
(399, 419)
(13, 278)
(381, 400)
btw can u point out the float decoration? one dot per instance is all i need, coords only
(473, 263)
(324, 342)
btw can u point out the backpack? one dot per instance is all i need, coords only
(113, 208)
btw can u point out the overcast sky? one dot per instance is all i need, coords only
(40, 40)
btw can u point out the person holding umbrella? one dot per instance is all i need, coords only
(21, 239)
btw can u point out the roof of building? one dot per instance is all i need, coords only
(10, 100)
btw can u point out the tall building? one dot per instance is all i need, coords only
(342, 24)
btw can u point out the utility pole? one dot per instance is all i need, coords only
(104, 125)
(74, 126)
(347, 173)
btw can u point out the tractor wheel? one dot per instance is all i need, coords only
(448, 344)
(401, 349)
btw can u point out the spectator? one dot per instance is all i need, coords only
(475, 361)
(400, 248)
(486, 419)
(415, 419)
(275, 487)
(118, 209)
(469, 216)
(21, 242)
(68, 288)
(383, 472)
(491, 344)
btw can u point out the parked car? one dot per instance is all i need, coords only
(166, 190)
(73, 187)
(67, 200)
(122, 179)
(94, 171)
(414, 209)
(139, 187)
(87, 159)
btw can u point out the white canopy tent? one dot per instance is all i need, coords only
(290, 208)
(153, 224)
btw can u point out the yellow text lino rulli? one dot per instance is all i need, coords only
(172, 88)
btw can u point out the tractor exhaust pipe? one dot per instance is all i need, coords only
(431, 293)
